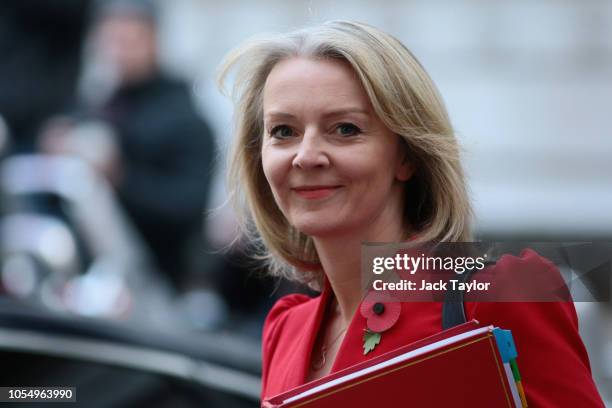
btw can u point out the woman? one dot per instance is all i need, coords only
(341, 139)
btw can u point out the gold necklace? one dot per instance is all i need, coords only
(320, 362)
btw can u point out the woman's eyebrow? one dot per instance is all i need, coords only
(278, 115)
(328, 114)
(344, 111)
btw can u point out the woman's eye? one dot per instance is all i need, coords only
(348, 129)
(281, 132)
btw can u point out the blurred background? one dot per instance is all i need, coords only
(113, 138)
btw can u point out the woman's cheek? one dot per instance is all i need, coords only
(267, 163)
(275, 174)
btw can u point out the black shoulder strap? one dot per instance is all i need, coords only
(453, 311)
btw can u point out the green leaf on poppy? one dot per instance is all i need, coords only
(370, 340)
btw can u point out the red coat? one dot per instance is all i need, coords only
(552, 358)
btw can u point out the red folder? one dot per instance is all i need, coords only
(466, 366)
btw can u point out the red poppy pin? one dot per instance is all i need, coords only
(381, 313)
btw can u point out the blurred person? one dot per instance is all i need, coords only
(342, 138)
(141, 130)
(40, 48)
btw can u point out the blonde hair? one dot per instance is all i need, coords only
(402, 95)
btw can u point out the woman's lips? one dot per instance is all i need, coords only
(315, 192)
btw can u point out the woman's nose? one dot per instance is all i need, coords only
(311, 152)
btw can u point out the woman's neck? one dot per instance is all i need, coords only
(340, 259)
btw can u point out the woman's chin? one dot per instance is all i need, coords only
(321, 229)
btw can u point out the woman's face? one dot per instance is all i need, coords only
(333, 166)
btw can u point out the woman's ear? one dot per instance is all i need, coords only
(406, 166)
(405, 169)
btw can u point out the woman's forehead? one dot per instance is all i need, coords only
(329, 85)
